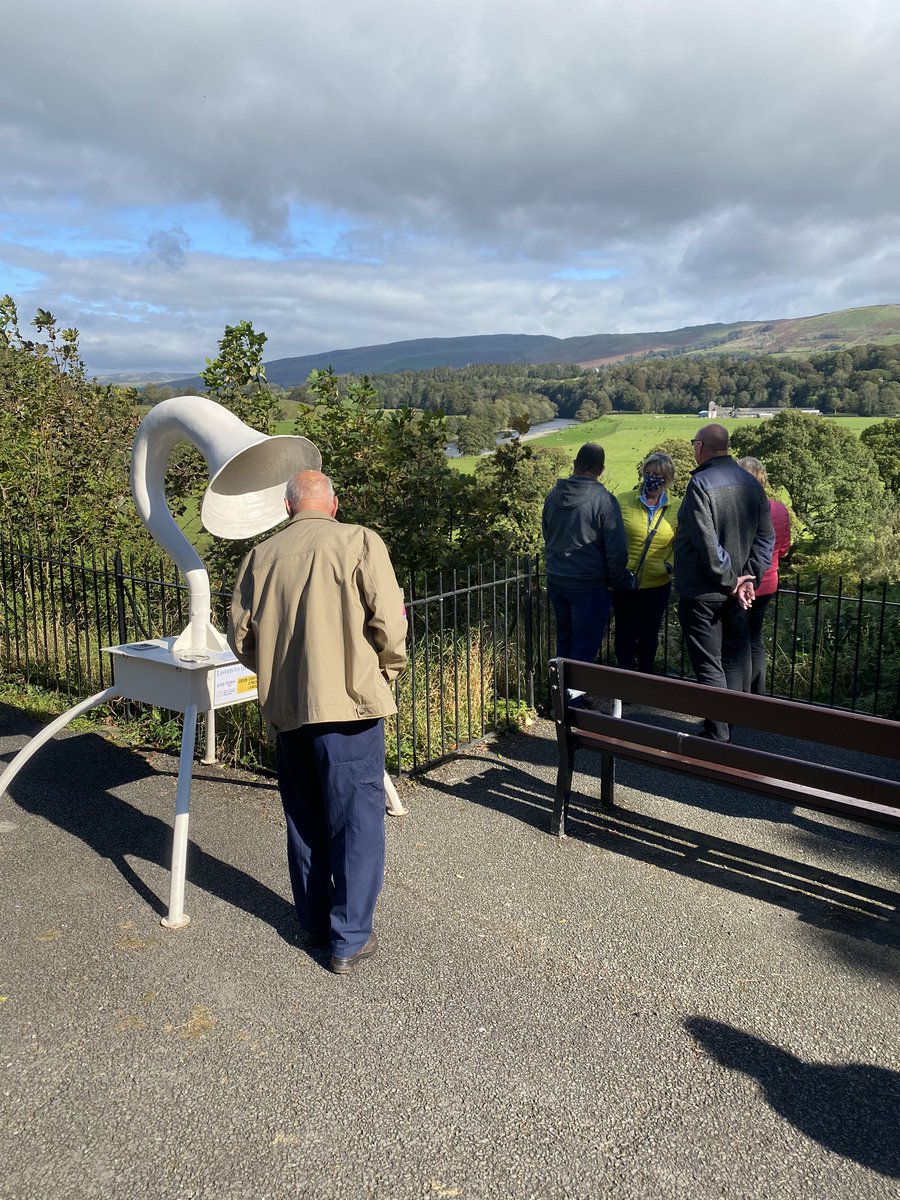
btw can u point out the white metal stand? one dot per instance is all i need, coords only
(154, 672)
(49, 731)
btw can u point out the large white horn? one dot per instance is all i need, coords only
(247, 470)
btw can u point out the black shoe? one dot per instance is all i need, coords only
(316, 941)
(346, 966)
(711, 737)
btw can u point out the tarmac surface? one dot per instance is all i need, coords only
(696, 995)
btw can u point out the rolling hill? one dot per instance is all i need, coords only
(798, 336)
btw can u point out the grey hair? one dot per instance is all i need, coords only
(307, 485)
(660, 464)
(756, 469)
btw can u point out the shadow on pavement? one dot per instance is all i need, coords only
(827, 899)
(71, 782)
(850, 1110)
(871, 844)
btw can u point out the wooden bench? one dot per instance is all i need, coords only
(797, 780)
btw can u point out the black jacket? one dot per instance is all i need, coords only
(724, 530)
(583, 534)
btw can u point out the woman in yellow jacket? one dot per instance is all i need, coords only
(650, 524)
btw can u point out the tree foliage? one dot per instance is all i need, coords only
(864, 380)
(236, 377)
(507, 499)
(476, 433)
(65, 440)
(883, 442)
(830, 476)
(389, 469)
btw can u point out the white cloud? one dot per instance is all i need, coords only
(728, 160)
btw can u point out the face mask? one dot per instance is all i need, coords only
(654, 483)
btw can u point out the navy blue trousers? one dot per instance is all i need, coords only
(331, 779)
(581, 620)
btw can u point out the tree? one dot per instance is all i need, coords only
(830, 476)
(236, 377)
(507, 500)
(475, 434)
(65, 441)
(389, 469)
(883, 442)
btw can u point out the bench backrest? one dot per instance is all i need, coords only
(825, 726)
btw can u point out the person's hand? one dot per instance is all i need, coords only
(744, 591)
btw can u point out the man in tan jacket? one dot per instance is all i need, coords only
(318, 615)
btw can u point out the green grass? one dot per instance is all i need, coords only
(629, 437)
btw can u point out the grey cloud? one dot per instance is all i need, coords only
(595, 115)
(170, 246)
(728, 159)
(173, 320)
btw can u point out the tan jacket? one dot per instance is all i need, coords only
(318, 615)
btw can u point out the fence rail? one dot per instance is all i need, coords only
(479, 641)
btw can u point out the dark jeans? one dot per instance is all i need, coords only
(755, 619)
(717, 639)
(581, 620)
(639, 616)
(331, 779)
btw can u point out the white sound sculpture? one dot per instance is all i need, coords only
(196, 670)
(247, 473)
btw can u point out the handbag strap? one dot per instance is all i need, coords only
(647, 541)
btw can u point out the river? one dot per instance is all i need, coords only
(535, 431)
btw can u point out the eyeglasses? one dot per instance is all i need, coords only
(696, 441)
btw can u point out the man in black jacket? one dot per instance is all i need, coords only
(586, 555)
(723, 546)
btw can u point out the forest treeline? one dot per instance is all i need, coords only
(862, 381)
(479, 400)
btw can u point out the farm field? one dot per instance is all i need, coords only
(629, 437)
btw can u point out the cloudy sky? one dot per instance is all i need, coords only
(352, 173)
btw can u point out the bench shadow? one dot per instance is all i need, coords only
(835, 835)
(851, 1110)
(71, 782)
(831, 901)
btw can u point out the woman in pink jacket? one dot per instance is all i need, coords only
(769, 583)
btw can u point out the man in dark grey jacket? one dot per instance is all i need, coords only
(586, 554)
(723, 547)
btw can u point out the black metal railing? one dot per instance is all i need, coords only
(479, 643)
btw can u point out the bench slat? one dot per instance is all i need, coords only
(794, 792)
(814, 723)
(594, 730)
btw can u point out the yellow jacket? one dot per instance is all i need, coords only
(634, 515)
(318, 614)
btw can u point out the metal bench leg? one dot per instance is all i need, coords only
(607, 781)
(563, 791)
(30, 748)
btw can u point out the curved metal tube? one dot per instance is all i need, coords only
(16, 765)
(247, 470)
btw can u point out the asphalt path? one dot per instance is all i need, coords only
(694, 996)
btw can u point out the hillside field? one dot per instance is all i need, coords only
(628, 438)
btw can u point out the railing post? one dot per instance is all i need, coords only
(529, 635)
(119, 577)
